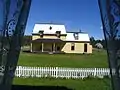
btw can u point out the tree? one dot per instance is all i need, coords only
(92, 41)
(26, 40)
(103, 42)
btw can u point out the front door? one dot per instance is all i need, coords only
(85, 47)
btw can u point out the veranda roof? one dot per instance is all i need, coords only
(48, 40)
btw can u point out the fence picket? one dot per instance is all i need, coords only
(61, 72)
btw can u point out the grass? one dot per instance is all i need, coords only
(70, 84)
(97, 59)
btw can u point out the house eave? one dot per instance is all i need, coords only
(79, 41)
(49, 34)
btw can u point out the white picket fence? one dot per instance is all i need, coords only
(60, 72)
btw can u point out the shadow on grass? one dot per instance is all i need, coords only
(25, 87)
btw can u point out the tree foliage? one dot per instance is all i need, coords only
(93, 42)
(27, 40)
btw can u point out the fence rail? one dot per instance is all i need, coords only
(60, 72)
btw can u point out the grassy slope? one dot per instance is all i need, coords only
(97, 59)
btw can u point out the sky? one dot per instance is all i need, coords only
(76, 15)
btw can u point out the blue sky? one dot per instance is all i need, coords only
(75, 14)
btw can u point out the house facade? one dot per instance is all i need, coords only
(48, 37)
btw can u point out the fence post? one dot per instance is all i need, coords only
(19, 70)
(95, 72)
(56, 72)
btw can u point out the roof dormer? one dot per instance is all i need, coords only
(58, 33)
(76, 36)
(41, 33)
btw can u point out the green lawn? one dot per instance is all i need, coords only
(97, 59)
(70, 84)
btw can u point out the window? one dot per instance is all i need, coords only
(41, 33)
(58, 33)
(50, 27)
(72, 46)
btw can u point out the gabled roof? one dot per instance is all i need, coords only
(81, 37)
(51, 23)
(49, 28)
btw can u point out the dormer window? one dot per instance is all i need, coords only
(58, 33)
(76, 36)
(41, 33)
